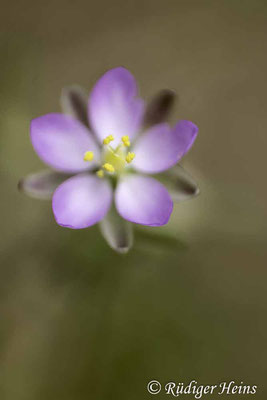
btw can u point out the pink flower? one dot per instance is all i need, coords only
(104, 160)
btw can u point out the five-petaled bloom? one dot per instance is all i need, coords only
(105, 160)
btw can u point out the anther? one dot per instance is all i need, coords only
(108, 139)
(108, 167)
(88, 156)
(129, 158)
(100, 173)
(126, 141)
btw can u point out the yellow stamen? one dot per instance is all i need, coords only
(88, 156)
(129, 158)
(108, 139)
(126, 141)
(100, 173)
(108, 167)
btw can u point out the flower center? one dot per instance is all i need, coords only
(114, 160)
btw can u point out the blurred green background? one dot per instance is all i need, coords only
(188, 302)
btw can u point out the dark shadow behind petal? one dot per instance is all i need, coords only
(159, 108)
(179, 183)
(42, 184)
(117, 232)
(74, 102)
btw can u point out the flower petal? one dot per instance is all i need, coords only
(74, 102)
(143, 200)
(161, 147)
(61, 141)
(186, 133)
(159, 108)
(81, 201)
(156, 150)
(42, 184)
(117, 232)
(113, 106)
(179, 183)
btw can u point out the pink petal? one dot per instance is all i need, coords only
(143, 200)
(61, 141)
(114, 108)
(81, 201)
(161, 146)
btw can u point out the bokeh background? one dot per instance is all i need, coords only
(188, 302)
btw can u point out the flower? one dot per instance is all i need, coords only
(103, 159)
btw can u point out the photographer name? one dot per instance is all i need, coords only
(228, 388)
(198, 391)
